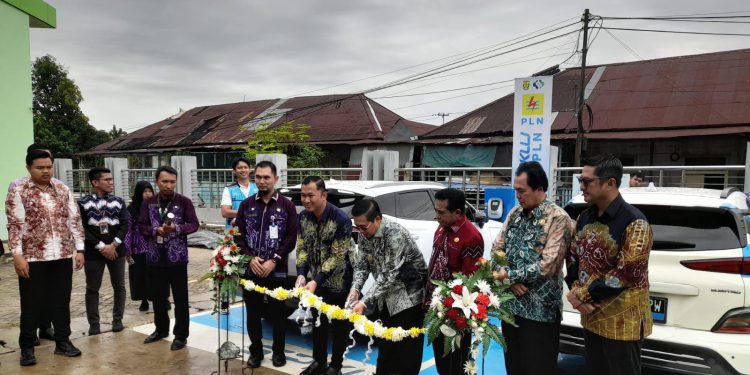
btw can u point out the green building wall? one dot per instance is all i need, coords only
(16, 123)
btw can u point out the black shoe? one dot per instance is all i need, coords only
(254, 362)
(117, 326)
(36, 341)
(154, 337)
(333, 371)
(143, 306)
(94, 329)
(47, 334)
(314, 369)
(27, 357)
(278, 359)
(178, 344)
(67, 349)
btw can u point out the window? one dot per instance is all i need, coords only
(387, 204)
(415, 205)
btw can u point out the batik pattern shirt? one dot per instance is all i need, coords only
(173, 250)
(135, 242)
(396, 264)
(43, 223)
(323, 248)
(255, 219)
(109, 211)
(535, 244)
(454, 249)
(609, 266)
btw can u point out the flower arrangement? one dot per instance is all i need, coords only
(226, 267)
(464, 306)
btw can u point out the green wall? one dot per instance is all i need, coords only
(16, 126)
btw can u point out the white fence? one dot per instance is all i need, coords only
(208, 184)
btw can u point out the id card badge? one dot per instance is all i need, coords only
(159, 240)
(103, 228)
(273, 232)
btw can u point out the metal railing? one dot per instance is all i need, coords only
(294, 176)
(130, 177)
(208, 185)
(78, 181)
(474, 180)
(471, 180)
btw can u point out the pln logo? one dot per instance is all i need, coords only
(533, 105)
(526, 85)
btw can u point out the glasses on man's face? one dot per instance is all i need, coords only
(363, 228)
(586, 181)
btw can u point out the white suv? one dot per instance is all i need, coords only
(411, 204)
(699, 272)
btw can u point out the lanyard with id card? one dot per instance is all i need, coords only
(273, 230)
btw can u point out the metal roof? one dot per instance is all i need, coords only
(333, 119)
(694, 95)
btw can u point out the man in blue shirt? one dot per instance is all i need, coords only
(237, 192)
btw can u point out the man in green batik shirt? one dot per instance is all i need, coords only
(535, 237)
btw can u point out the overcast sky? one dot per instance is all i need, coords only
(137, 62)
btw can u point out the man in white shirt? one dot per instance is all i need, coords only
(237, 192)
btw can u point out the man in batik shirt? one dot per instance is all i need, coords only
(457, 247)
(46, 237)
(608, 272)
(387, 251)
(268, 231)
(536, 236)
(323, 247)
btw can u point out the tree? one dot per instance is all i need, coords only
(286, 138)
(116, 132)
(58, 120)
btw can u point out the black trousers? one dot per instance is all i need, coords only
(612, 357)
(405, 357)
(138, 275)
(258, 306)
(46, 293)
(453, 363)
(162, 279)
(532, 347)
(340, 330)
(94, 275)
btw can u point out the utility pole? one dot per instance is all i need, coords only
(581, 104)
(443, 115)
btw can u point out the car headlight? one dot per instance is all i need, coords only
(734, 321)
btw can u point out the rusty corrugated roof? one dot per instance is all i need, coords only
(661, 98)
(333, 119)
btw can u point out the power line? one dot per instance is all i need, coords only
(452, 97)
(625, 46)
(674, 31)
(443, 91)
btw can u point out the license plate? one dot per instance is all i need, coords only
(658, 309)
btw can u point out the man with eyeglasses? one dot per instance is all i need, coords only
(387, 251)
(105, 221)
(608, 271)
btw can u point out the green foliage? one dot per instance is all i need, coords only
(58, 120)
(287, 138)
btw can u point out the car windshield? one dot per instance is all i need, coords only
(687, 228)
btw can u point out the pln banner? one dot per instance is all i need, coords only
(532, 121)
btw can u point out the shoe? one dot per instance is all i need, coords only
(117, 326)
(178, 344)
(333, 371)
(27, 357)
(154, 337)
(278, 359)
(47, 334)
(254, 362)
(143, 306)
(36, 341)
(94, 329)
(314, 369)
(67, 349)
